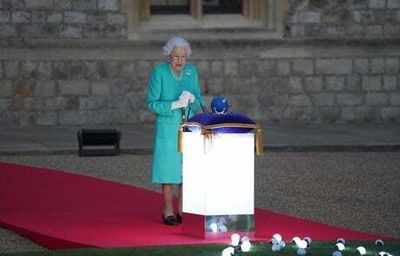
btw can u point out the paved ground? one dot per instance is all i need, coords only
(345, 175)
(137, 139)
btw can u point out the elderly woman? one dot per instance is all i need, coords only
(173, 92)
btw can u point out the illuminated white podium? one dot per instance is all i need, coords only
(218, 184)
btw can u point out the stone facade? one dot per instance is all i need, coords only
(61, 19)
(343, 19)
(52, 72)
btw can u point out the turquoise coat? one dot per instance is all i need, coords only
(162, 90)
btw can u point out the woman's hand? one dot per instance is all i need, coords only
(187, 96)
(181, 103)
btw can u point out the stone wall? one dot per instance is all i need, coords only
(269, 81)
(344, 19)
(61, 19)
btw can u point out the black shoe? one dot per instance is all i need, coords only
(179, 218)
(170, 220)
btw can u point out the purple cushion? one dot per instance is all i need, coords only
(214, 119)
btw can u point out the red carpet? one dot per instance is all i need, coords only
(60, 210)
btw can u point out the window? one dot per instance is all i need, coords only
(169, 7)
(183, 6)
(148, 16)
(221, 7)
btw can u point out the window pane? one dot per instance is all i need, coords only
(222, 6)
(169, 6)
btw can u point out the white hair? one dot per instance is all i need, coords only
(177, 42)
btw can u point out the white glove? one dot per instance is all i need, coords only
(181, 103)
(187, 96)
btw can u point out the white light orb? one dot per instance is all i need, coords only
(245, 246)
(382, 253)
(296, 240)
(214, 227)
(308, 240)
(282, 244)
(302, 244)
(228, 251)
(379, 242)
(337, 253)
(301, 251)
(341, 240)
(222, 228)
(225, 253)
(277, 237)
(340, 246)
(276, 248)
(235, 238)
(361, 250)
(245, 238)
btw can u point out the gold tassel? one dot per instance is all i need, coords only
(180, 134)
(259, 141)
(207, 133)
(208, 136)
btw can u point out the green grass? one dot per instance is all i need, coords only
(258, 249)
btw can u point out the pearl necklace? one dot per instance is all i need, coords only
(177, 77)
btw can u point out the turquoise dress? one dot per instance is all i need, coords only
(163, 89)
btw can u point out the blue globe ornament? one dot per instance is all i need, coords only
(219, 105)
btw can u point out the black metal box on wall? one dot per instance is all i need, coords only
(99, 142)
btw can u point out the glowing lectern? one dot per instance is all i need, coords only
(218, 184)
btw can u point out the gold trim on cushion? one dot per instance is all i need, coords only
(206, 130)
